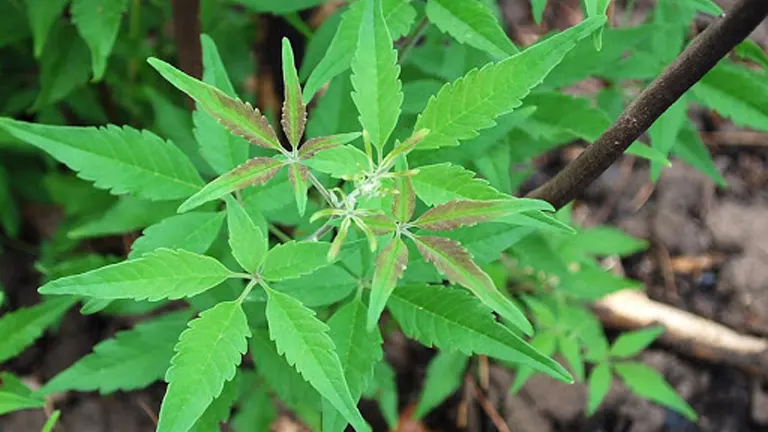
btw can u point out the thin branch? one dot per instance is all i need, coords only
(694, 62)
(186, 34)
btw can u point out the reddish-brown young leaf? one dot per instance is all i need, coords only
(256, 171)
(405, 147)
(404, 201)
(316, 145)
(462, 213)
(294, 110)
(390, 266)
(451, 259)
(380, 224)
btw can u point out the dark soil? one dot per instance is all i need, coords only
(684, 216)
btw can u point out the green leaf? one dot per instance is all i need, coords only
(220, 409)
(466, 213)
(9, 214)
(279, 8)
(20, 328)
(399, 14)
(305, 343)
(63, 65)
(692, 150)
(601, 241)
(133, 359)
(750, 50)
(570, 349)
(249, 244)
(375, 77)
(597, 8)
(384, 390)
(441, 183)
(98, 22)
(473, 102)
(162, 274)
(221, 149)
(665, 130)
(340, 162)
(315, 145)
(207, 355)
(649, 384)
(128, 214)
(281, 377)
(359, 351)
(537, 10)
(631, 343)
(404, 201)
(390, 265)
(256, 410)
(737, 93)
(256, 171)
(42, 14)
(598, 385)
(451, 259)
(294, 110)
(322, 287)
(451, 319)
(708, 6)
(295, 259)
(298, 175)
(194, 232)
(545, 343)
(123, 160)
(240, 118)
(15, 396)
(445, 375)
(472, 23)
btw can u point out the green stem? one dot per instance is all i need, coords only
(285, 238)
(296, 22)
(412, 39)
(248, 288)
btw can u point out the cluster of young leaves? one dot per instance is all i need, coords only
(401, 197)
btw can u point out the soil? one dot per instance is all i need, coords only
(684, 216)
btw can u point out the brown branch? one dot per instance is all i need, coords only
(186, 34)
(686, 332)
(693, 63)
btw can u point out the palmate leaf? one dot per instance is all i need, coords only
(472, 23)
(399, 15)
(238, 117)
(194, 232)
(51, 422)
(444, 378)
(340, 162)
(249, 244)
(123, 160)
(359, 351)
(390, 266)
(466, 213)
(295, 259)
(631, 343)
(597, 8)
(692, 150)
(221, 407)
(98, 22)
(451, 259)
(304, 341)
(294, 110)
(665, 130)
(162, 274)
(599, 383)
(378, 92)
(451, 319)
(131, 360)
(221, 149)
(22, 327)
(649, 384)
(128, 214)
(206, 357)
(471, 103)
(256, 171)
(444, 182)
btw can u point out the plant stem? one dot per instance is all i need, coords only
(333, 202)
(285, 238)
(694, 62)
